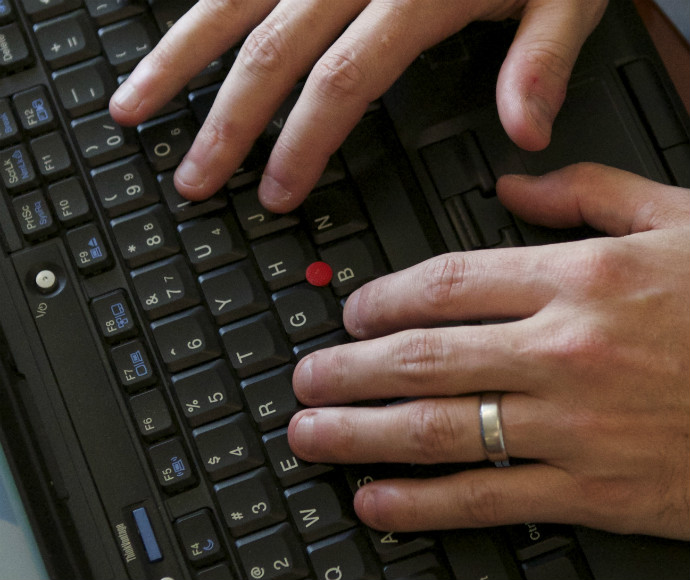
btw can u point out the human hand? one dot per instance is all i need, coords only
(361, 47)
(594, 372)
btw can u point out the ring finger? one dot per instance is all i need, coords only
(425, 431)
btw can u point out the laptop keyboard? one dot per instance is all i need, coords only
(203, 309)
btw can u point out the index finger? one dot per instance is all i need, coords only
(211, 28)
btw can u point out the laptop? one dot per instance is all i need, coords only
(147, 343)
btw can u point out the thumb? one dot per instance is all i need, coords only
(611, 200)
(534, 76)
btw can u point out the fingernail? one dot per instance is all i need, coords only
(127, 97)
(352, 314)
(190, 173)
(272, 194)
(303, 433)
(301, 379)
(540, 112)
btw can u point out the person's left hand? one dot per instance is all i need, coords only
(357, 48)
(594, 372)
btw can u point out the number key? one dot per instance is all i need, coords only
(186, 339)
(165, 287)
(145, 236)
(125, 186)
(102, 140)
(207, 393)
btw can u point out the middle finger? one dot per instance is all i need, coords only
(272, 59)
(422, 363)
(425, 431)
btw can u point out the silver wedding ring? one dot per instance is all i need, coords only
(491, 429)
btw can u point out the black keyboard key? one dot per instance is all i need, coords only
(125, 186)
(326, 341)
(274, 554)
(676, 159)
(256, 220)
(218, 572)
(183, 209)
(478, 554)
(6, 11)
(67, 39)
(290, 469)
(9, 130)
(167, 12)
(228, 447)
(186, 339)
(166, 287)
(424, 566)
(283, 260)
(456, 165)
(41, 9)
(88, 250)
(166, 140)
(214, 72)
(33, 215)
(101, 140)
(206, 393)
(234, 292)
(107, 11)
(51, 155)
(333, 212)
(145, 236)
(212, 242)
(270, 398)
(250, 502)
(201, 101)
(565, 566)
(347, 553)
(354, 262)
(317, 510)
(151, 415)
(15, 52)
(307, 311)
(114, 316)
(69, 201)
(172, 466)
(35, 110)
(132, 366)
(391, 546)
(533, 540)
(18, 171)
(199, 539)
(126, 43)
(85, 87)
(255, 345)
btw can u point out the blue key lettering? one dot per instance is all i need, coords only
(178, 466)
(40, 108)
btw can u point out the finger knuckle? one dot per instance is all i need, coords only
(443, 279)
(337, 76)
(222, 13)
(597, 268)
(482, 502)
(263, 52)
(419, 353)
(432, 432)
(580, 346)
(218, 132)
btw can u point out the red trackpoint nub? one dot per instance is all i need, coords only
(319, 274)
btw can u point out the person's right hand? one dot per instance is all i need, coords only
(360, 47)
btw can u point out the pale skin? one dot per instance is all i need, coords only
(594, 369)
